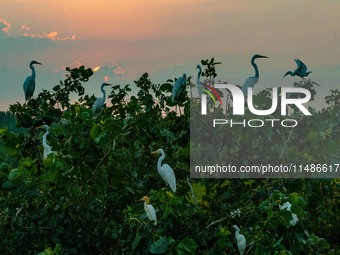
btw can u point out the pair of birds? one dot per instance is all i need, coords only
(301, 71)
(168, 176)
(29, 87)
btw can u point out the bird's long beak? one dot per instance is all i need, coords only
(38, 127)
(37, 63)
(154, 152)
(263, 56)
(285, 74)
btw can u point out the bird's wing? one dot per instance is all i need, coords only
(29, 86)
(168, 176)
(151, 213)
(249, 83)
(97, 106)
(200, 87)
(298, 63)
(47, 151)
(177, 88)
(241, 245)
(303, 67)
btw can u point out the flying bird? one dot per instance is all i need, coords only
(165, 170)
(149, 209)
(178, 87)
(301, 69)
(199, 84)
(47, 148)
(99, 103)
(29, 83)
(241, 240)
(252, 80)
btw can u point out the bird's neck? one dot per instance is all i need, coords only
(255, 67)
(33, 70)
(160, 159)
(44, 139)
(104, 93)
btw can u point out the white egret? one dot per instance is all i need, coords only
(165, 170)
(149, 209)
(47, 148)
(198, 83)
(178, 87)
(241, 240)
(29, 83)
(287, 206)
(301, 69)
(252, 80)
(99, 103)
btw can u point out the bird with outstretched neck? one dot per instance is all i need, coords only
(29, 83)
(252, 80)
(99, 103)
(199, 83)
(47, 148)
(301, 70)
(165, 170)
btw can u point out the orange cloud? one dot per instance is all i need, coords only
(53, 36)
(96, 68)
(26, 28)
(63, 67)
(119, 71)
(6, 27)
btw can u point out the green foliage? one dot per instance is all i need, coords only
(83, 199)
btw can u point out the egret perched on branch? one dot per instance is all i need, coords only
(29, 83)
(178, 87)
(241, 240)
(252, 80)
(149, 209)
(165, 170)
(100, 101)
(47, 148)
(301, 69)
(199, 84)
(287, 206)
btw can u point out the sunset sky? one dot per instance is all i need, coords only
(166, 38)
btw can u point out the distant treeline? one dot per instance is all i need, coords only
(7, 120)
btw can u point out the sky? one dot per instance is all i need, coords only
(166, 38)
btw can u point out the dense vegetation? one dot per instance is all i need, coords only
(83, 199)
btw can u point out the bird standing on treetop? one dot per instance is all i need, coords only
(178, 87)
(198, 83)
(165, 170)
(47, 148)
(241, 240)
(301, 69)
(149, 209)
(29, 83)
(252, 80)
(99, 103)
